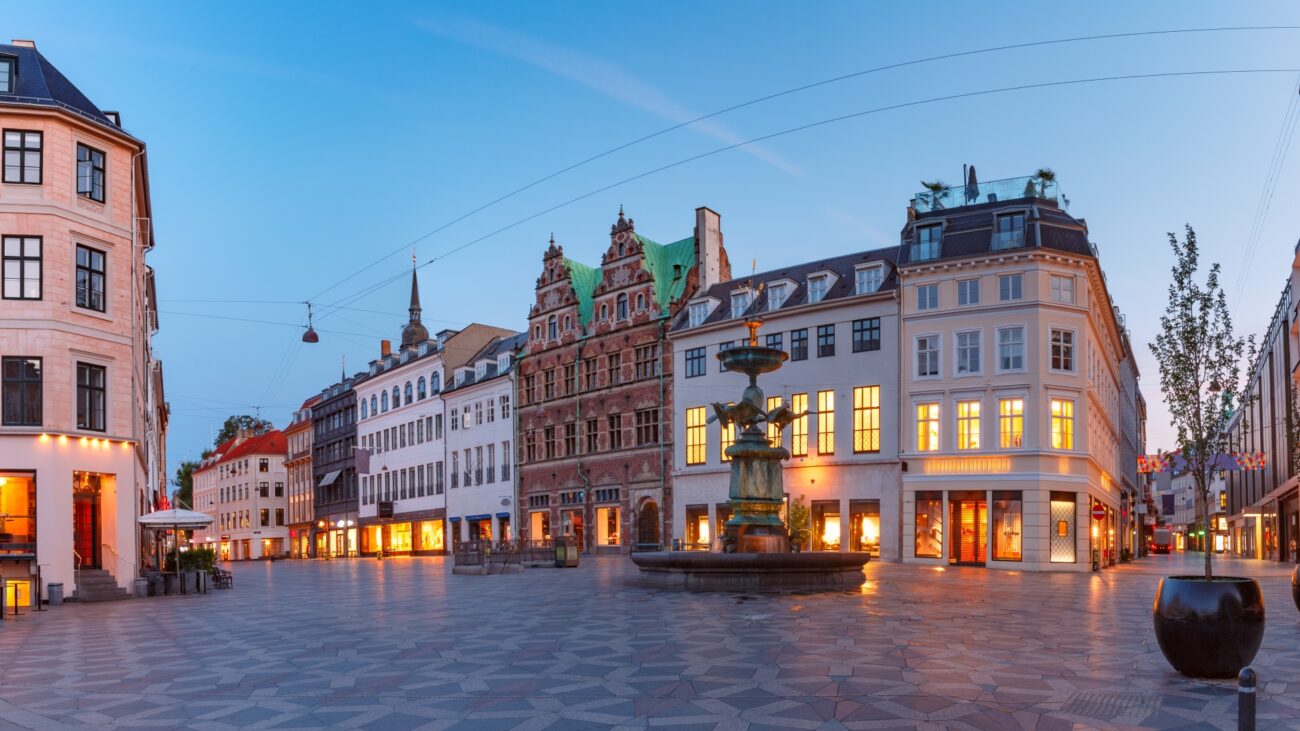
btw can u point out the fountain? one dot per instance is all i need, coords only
(756, 545)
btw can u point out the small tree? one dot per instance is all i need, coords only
(938, 191)
(1199, 358)
(1044, 176)
(184, 496)
(251, 424)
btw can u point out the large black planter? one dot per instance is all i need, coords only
(1209, 629)
(1295, 586)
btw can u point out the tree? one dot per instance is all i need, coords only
(938, 191)
(185, 484)
(1199, 358)
(252, 424)
(1044, 176)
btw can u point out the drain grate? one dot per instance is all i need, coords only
(1110, 706)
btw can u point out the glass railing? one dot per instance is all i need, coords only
(955, 196)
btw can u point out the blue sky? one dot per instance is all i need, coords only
(292, 145)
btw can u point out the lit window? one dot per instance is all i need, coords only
(929, 525)
(1011, 348)
(1063, 289)
(1062, 424)
(773, 433)
(1007, 519)
(968, 353)
(968, 424)
(696, 436)
(817, 287)
(727, 438)
(1010, 231)
(868, 279)
(968, 292)
(740, 302)
(1011, 423)
(697, 313)
(1062, 350)
(928, 240)
(1010, 287)
(799, 427)
(776, 295)
(826, 422)
(927, 427)
(866, 419)
(927, 356)
(22, 152)
(927, 296)
(90, 173)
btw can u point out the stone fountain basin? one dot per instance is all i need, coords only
(749, 572)
(752, 359)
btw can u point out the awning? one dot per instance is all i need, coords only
(455, 520)
(503, 515)
(329, 478)
(484, 516)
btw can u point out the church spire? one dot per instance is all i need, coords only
(414, 333)
(415, 292)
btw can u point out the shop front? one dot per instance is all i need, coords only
(397, 537)
(17, 536)
(607, 538)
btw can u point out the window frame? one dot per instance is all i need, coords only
(23, 262)
(916, 356)
(1057, 289)
(929, 434)
(1024, 355)
(826, 341)
(799, 425)
(101, 170)
(741, 300)
(9, 73)
(862, 275)
(695, 362)
(957, 348)
(931, 247)
(1071, 347)
(1008, 421)
(1015, 285)
(926, 303)
(775, 302)
(90, 274)
(24, 385)
(799, 344)
(972, 285)
(23, 151)
(1012, 238)
(970, 426)
(824, 287)
(1058, 438)
(826, 422)
(866, 419)
(89, 391)
(862, 329)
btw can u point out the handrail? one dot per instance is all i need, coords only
(77, 570)
(119, 557)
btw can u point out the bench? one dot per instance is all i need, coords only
(223, 579)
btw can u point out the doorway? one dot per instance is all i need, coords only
(647, 524)
(969, 517)
(86, 488)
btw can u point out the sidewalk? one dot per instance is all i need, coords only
(1192, 563)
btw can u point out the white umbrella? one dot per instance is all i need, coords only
(176, 519)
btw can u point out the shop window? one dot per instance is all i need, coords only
(864, 526)
(1062, 515)
(539, 522)
(929, 525)
(399, 537)
(826, 525)
(18, 511)
(1008, 512)
(699, 537)
(722, 513)
(607, 526)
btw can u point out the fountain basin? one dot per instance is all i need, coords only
(750, 572)
(753, 360)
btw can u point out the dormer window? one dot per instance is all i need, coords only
(1009, 232)
(503, 363)
(868, 279)
(698, 313)
(740, 302)
(817, 286)
(7, 67)
(928, 242)
(776, 295)
(460, 378)
(480, 370)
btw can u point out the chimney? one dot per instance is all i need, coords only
(23, 44)
(708, 246)
(385, 348)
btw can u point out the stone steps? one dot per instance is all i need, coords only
(97, 585)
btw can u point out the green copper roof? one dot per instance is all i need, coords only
(661, 261)
(584, 280)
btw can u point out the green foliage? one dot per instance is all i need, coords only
(252, 424)
(798, 519)
(185, 484)
(195, 559)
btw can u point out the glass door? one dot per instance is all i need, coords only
(970, 539)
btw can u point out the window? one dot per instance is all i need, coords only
(435, 383)
(1009, 232)
(90, 173)
(777, 295)
(7, 75)
(421, 389)
(616, 431)
(615, 364)
(548, 383)
(374, 405)
(868, 279)
(928, 240)
(264, 516)
(866, 419)
(817, 287)
(727, 437)
(410, 393)
(1011, 348)
(825, 341)
(263, 465)
(620, 307)
(593, 436)
(647, 427)
(929, 525)
(968, 292)
(383, 400)
(1063, 289)
(826, 422)
(552, 328)
(927, 427)
(1011, 287)
(647, 361)
(968, 424)
(927, 356)
(774, 341)
(799, 427)
(927, 296)
(697, 313)
(740, 302)
(90, 397)
(363, 408)
(695, 362)
(1062, 516)
(773, 433)
(570, 439)
(1062, 350)
(505, 461)
(799, 344)
(968, 353)
(1011, 423)
(570, 378)
(455, 419)
(22, 152)
(1062, 424)
(1008, 514)
(568, 323)
(22, 391)
(866, 334)
(22, 267)
(397, 397)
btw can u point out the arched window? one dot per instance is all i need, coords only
(620, 248)
(397, 397)
(409, 393)
(420, 393)
(568, 323)
(537, 332)
(640, 302)
(383, 402)
(435, 383)
(551, 328)
(374, 405)
(604, 311)
(621, 307)
(363, 408)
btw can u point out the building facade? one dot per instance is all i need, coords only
(1012, 351)
(334, 471)
(298, 468)
(84, 420)
(481, 499)
(242, 486)
(595, 387)
(838, 321)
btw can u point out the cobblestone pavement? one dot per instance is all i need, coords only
(404, 644)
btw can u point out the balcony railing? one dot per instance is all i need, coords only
(955, 196)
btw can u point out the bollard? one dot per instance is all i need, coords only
(1246, 700)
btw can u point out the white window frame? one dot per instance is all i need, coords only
(822, 277)
(966, 292)
(915, 445)
(956, 351)
(743, 296)
(957, 401)
(863, 273)
(1074, 348)
(1024, 348)
(1012, 277)
(932, 287)
(698, 312)
(1074, 422)
(775, 302)
(1058, 289)
(916, 357)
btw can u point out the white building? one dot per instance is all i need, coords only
(242, 486)
(838, 321)
(481, 432)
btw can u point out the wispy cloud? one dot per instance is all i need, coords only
(594, 73)
(859, 226)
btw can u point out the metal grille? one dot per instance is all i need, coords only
(1063, 522)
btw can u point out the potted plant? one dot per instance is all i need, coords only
(1044, 176)
(797, 524)
(938, 190)
(1207, 626)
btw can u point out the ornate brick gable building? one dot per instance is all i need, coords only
(595, 385)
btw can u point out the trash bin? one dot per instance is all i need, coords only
(560, 554)
(141, 588)
(55, 593)
(171, 583)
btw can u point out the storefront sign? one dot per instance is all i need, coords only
(1098, 512)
